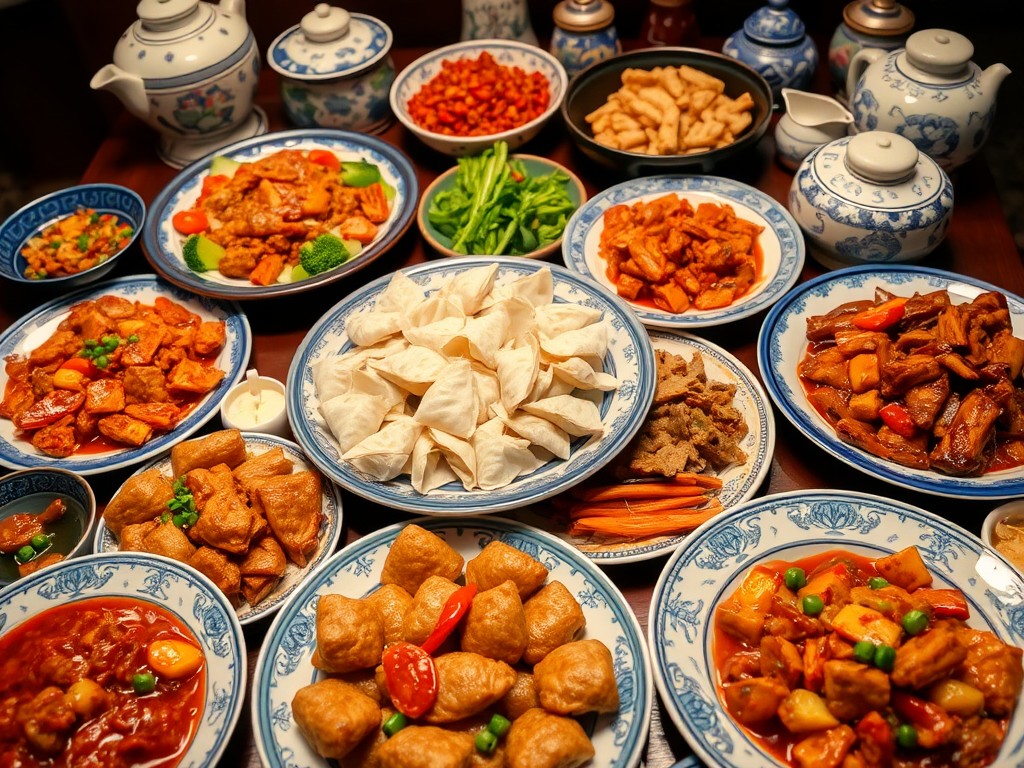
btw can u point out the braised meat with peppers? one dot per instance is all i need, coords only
(836, 661)
(921, 381)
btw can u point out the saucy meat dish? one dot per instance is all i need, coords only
(399, 682)
(92, 684)
(921, 381)
(74, 244)
(837, 661)
(114, 374)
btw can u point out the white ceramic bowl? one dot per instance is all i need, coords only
(236, 409)
(509, 53)
(1003, 511)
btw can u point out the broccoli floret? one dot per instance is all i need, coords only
(201, 254)
(322, 254)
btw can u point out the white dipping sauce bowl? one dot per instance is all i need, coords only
(275, 424)
(1003, 511)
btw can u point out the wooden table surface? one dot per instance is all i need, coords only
(978, 243)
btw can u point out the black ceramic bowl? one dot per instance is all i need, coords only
(590, 89)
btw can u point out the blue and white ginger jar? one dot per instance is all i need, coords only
(775, 43)
(871, 198)
(881, 24)
(336, 71)
(584, 34)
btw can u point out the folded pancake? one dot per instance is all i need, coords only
(573, 414)
(143, 497)
(537, 430)
(517, 373)
(429, 469)
(589, 341)
(382, 456)
(223, 447)
(444, 404)
(579, 373)
(537, 288)
(354, 416)
(369, 327)
(471, 287)
(555, 319)
(292, 504)
(500, 458)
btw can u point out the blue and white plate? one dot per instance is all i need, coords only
(163, 244)
(629, 358)
(330, 526)
(782, 243)
(783, 343)
(740, 481)
(714, 559)
(36, 327)
(175, 587)
(283, 666)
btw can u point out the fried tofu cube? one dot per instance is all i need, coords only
(141, 352)
(145, 384)
(160, 416)
(191, 376)
(104, 396)
(210, 337)
(125, 429)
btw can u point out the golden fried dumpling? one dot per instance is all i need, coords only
(204, 483)
(334, 717)
(417, 554)
(467, 683)
(224, 447)
(495, 625)
(133, 537)
(349, 634)
(268, 464)
(577, 677)
(553, 617)
(425, 746)
(365, 681)
(520, 697)
(222, 572)
(292, 505)
(422, 616)
(226, 522)
(394, 603)
(364, 755)
(538, 739)
(143, 497)
(499, 562)
(168, 540)
(262, 568)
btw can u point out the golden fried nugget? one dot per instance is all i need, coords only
(468, 683)
(495, 625)
(577, 677)
(349, 634)
(520, 697)
(416, 554)
(553, 617)
(394, 603)
(499, 562)
(334, 717)
(422, 615)
(538, 739)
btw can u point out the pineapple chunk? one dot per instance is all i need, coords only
(805, 712)
(957, 698)
(905, 569)
(857, 622)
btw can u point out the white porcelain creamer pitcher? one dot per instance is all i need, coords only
(810, 121)
(929, 92)
(189, 69)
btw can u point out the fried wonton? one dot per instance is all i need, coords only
(292, 506)
(143, 497)
(223, 447)
(204, 483)
(168, 540)
(262, 569)
(225, 522)
(219, 569)
(268, 464)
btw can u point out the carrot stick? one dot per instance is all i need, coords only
(643, 525)
(637, 507)
(693, 478)
(636, 491)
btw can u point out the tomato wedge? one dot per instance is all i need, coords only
(411, 678)
(82, 365)
(55, 405)
(451, 614)
(325, 158)
(190, 222)
(211, 184)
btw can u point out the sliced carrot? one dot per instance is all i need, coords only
(636, 491)
(642, 526)
(374, 203)
(704, 481)
(582, 509)
(267, 270)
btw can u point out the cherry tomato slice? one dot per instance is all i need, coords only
(325, 158)
(411, 678)
(55, 405)
(451, 614)
(190, 222)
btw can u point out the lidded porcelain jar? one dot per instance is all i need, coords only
(930, 92)
(584, 34)
(871, 198)
(774, 42)
(880, 24)
(189, 69)
(336, 71)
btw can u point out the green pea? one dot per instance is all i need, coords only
(24, 554)
(906, 736)
(40, 541)
(877, 582)
(813, 605)
(864, 652)
(394, 724)
(499, 725)
(486, 741)
(144, 682)
(134, 338)
(795, 578)
(885, 657)
(101, 361)
(915, 622)
(89, 343)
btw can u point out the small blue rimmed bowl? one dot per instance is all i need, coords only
(30, 220)
(30, 491)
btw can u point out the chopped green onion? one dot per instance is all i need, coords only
(133, 339)
(394, 724)
(486, 742)
(83, 243)
(94, 219)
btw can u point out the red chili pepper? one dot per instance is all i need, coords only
(881, 316)
(945, 603)
(190, 222)
(325, 158)
(897, 418)
(411, 678)
(55, 405)
(454, 609)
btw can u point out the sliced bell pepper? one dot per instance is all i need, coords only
(934, 725)
(325, 158)
(945, 603)
(82, 365)
(55, 405)
(454, 609)
(897, 418)
(411, 678)
(211, 184)
(881, 316)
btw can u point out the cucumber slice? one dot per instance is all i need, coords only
(223, 166)
(298, 273)
(353, 247)
(389, 191)
(201, 254)
(359, 173)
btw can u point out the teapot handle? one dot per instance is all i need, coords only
(860, 62)
(233, 6)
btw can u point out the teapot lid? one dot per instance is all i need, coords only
(164, 12)
(329, 42)
(879, 17)
(583, 15)
(881, 157)
(774, 24)
(939, 51)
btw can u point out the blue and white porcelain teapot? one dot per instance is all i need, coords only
(929, 92)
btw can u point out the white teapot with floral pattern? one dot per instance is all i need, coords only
(189, 69)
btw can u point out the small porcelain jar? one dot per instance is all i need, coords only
(502, 19)
(189, 69)
(871, 198)
(336, 71)
(930, 92)
(810, 121)
(584, 34)
(882, 24)
(775, 43)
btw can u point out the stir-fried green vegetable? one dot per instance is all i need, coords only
(495, 208)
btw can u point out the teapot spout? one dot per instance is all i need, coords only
(993, 77)
(233, 6)
(128, 88)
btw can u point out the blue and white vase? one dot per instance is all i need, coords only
(584, 34)
(871, 198)
(336, 71)
(502, 19)
(774, 42)
(866, 24)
